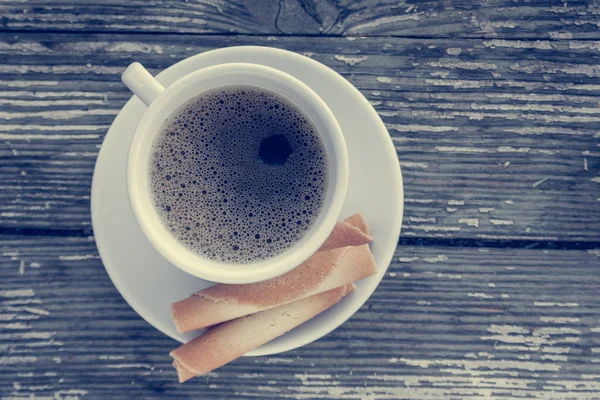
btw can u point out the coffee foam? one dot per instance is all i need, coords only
(238, 174)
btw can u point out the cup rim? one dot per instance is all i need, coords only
(189, 261)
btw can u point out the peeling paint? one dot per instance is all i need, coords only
(509, 149)
(469, 221)
(421, 219)
(467, 65)
(407, 259)
(480, 295)
(560, 320)
(502, 222)
(454, 51)
(350, 60)
(482, 364)
(421, 128)
(17, 360)
(414, 165)
(518, 44)
(436, 259)
(552, 304)
(17, 293)
(458, 149)
(383, 21)
(78, 257)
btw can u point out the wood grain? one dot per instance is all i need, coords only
(493, 107)
(498, 139)
(445, 323)
(535, 19)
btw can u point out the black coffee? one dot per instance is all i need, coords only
(238, 174)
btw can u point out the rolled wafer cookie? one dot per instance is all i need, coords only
(352, 231)
(232, 339)
(358, 221)
(324, 271)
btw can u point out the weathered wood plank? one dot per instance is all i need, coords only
(497, 139)
(456, 18)
(445, 323)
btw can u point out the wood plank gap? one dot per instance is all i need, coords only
(7, 232)
(499, 243)
(28, 232)
(282, 35)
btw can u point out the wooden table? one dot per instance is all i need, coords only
(493, 106)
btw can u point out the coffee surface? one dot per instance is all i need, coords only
(238, 174)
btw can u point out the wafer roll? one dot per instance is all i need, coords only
(230, 340)
(324, 271)
(358, 221)
(352, 231)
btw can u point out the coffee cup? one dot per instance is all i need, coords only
(163, 102)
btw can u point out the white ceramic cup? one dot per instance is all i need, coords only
(163, 102)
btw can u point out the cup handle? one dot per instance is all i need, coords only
(141, 83)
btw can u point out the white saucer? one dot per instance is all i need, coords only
(150, 284)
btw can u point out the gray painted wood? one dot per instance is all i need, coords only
(493, 109)
(498, 139)
(444, 323)
(535, 19)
